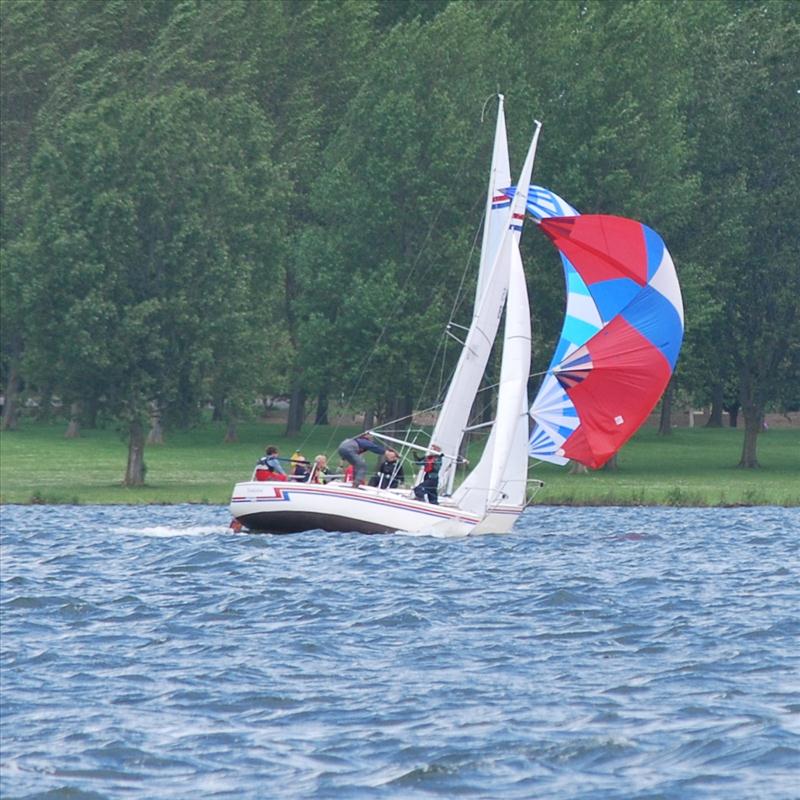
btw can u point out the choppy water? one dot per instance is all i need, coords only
(594, 653)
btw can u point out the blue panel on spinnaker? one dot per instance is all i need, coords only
(555, 416)
(655, 250)
(654, 316)
(612, 296)
(575, 284)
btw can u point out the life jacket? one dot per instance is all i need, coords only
(432, 466)
(300, 472)
(266, 474)
(265, 470)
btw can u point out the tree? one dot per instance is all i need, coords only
(145, 213)
(614, 136)
(744, 92)
(398, 203)
(301, 62)
(55, 58)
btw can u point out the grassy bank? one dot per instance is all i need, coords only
(692, 467)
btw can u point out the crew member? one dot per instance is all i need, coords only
(390, 472)
(351, 449)
(269, 467)
(429, 488)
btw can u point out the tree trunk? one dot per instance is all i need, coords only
(753, 412)
(717, 401)
(74, 427)
(576, 468)
(611, 465)
(322, 409)
(733, 414)
(134, 474)
(90, 408)
(665, 421)
(44, 412)
(10, 408)
(156, 433)
(297, 411)
(369, 419)
(753, 423)
(232, 433)
(487, 407)
(400, 409)
(218, 402)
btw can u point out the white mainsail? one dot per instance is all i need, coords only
(509, 473)
(497, 203)
(454, 414)
(500, 476)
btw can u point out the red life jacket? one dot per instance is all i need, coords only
(266, 474)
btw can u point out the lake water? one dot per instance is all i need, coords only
(594, 653)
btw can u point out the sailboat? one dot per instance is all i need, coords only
(621, 337)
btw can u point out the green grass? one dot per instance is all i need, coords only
(692, 467)
(38, 464)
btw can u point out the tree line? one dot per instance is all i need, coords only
(208, 202)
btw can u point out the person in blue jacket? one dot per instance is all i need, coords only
(351, 449)
(269, 467)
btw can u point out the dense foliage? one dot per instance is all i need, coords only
(214, 202)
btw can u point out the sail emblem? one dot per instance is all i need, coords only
(501, 201)
(574, 369)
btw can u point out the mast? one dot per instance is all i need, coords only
(500, 475)
(489, 298)
(497, 203)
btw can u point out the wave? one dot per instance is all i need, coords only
(169, 531)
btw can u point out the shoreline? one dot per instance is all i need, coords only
(690, 468)
(555, 503)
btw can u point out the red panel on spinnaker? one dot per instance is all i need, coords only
(616, 378)
(606, 247)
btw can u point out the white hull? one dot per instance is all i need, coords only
(285, 507)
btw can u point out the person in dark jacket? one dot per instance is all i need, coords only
(351, 449)
(429, 488)
(390, 472)
(300, 467)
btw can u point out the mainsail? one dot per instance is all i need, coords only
(489, 299)
(499, 479)
(498, 203)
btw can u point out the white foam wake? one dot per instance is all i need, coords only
(167, 531)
